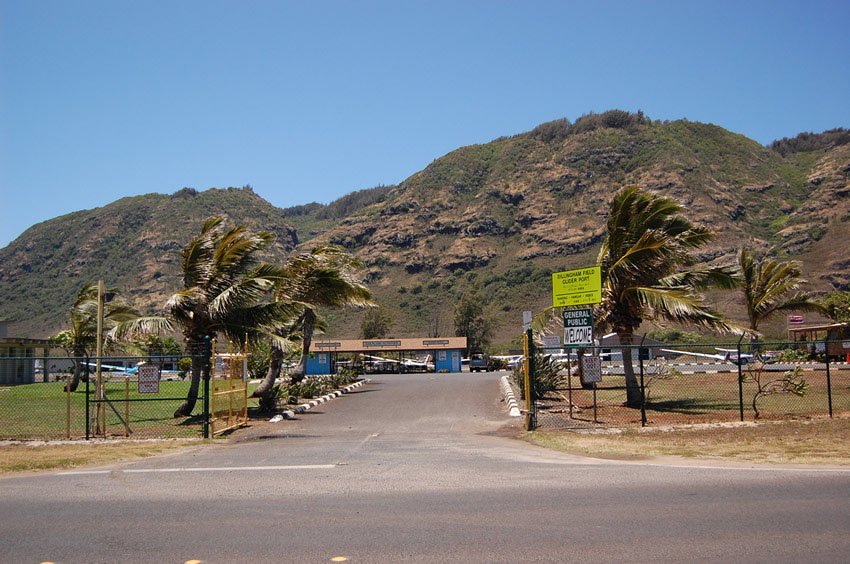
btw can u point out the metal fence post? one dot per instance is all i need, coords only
(67, 411)
(740, 381)
(207, 352)
(88, 401)
(642, 388)
(828, 379)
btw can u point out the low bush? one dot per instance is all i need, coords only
(270, 400)
(547, 376)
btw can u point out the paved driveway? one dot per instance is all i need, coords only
(418, 468)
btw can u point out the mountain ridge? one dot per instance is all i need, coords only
(500, 215)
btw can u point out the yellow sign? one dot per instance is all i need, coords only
(582, 286)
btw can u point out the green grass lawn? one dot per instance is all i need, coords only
(39, 411)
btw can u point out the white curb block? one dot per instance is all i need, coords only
(510, 399)
(291, 413)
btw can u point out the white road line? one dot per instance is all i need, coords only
(212, 469)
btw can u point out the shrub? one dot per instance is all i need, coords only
(768, 384)
(269, 401)
(658, 369)
(308, 388)
(614, 119)
(552, 131)
(805, 142)
(184, 366)
(547, 376)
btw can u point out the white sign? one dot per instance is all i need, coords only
(591, 369)
(551, 341)
(526, 320)
(578, 335)
(149, 379)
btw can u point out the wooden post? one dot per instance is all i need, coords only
(126, 406)
(67, 411)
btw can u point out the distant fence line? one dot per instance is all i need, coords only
(686, 384)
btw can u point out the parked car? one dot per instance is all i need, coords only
(479, 362)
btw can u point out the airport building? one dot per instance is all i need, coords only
(440, 354)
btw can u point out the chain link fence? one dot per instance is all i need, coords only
(136, 397)
(661, 384)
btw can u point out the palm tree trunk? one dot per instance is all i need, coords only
(74, 382)
(309, 325)
(633, 395)
(275, 363)
(197, 350)
(186, 408)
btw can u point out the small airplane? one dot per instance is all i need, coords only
(115, 368)
(423, 363)
(728, 355)
(511, 359)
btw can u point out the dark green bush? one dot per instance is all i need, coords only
(805, 142)
(547, 376)
(269, 401)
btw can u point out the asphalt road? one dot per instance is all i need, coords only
(418, 468)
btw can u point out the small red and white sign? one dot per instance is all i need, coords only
(148, 379)
(796, 320)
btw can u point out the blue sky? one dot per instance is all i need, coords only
(307, 101)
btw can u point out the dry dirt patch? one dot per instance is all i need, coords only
(20, 456)
(810, 441)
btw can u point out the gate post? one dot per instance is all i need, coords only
(530, 415)
(642, 387)
(88, 400)
(828, 379)
(207, 352)
(740, 381)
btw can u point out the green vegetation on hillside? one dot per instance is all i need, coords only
(501, 215)
(808, 142)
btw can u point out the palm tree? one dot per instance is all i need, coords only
(768, 284)
(119, 320)
(324, 277)
(648, 241)
(226, 289)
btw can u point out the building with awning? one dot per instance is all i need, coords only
(444, 352)
(831, 338)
